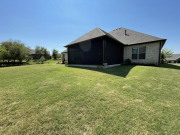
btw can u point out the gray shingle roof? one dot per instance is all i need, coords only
(90, 35)
(174, 57)
(132, 37)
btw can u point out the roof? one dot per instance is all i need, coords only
(65, 51)
(132, 37)
(90, 35)
(174, 57)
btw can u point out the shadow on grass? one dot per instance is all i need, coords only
(121, 71)
(170, 66)
(124, 70)
(11, 64)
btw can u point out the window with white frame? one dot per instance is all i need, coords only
(139, 53)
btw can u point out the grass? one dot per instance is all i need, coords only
(50, 61)
(54, 99)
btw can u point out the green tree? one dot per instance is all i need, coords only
(7, 46)
(28, 58)
(3, 52)
(55, 54)
(38, 50)
(166, 53)
(15, 50)
(59, 55)
(42, 59)
(41, 51)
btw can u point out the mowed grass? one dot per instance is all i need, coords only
(54, 99)
(50, 61)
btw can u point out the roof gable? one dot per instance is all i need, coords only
(90, 35)
(132, 37)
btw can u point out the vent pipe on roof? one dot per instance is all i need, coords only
(125, 33)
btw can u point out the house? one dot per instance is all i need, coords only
(174, 59)
(64, 56)
(98, 47)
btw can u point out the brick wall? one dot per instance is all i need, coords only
(152, 53)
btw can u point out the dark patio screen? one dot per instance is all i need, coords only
(88, 52)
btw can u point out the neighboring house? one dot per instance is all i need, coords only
(64, 56)
(37, 56)
(174, 59)
(98, 47)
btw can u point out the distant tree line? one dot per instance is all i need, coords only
(16, 51)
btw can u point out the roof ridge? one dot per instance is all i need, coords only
(136, 31)
(108, 34)
(135, 37)
(104, 32)
(116, 29)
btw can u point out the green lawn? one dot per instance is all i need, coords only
(54, 99)
(50, 61)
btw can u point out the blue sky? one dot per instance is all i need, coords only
(55, 23)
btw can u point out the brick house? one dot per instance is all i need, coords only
(98, 47)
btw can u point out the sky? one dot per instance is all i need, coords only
(55, 23)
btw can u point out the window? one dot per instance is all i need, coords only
(142, 52)
(134, 53)
(139, 53)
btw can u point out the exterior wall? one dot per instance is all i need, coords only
(64, 56)
(152, 53)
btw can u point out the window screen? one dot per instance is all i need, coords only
(134, 53)
(142, 52)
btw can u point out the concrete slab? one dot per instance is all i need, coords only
(93, 66)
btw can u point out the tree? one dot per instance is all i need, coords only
(15, 50)
(41, 51)
(28, 58)
(22, 52)
(55, 54)
(59, 55)
(3, 52)
(7, 46)
(38, 50)
(42, 59)
(166, 53)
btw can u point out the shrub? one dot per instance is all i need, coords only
(66, 63)
(127, 62)
(28, 58)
